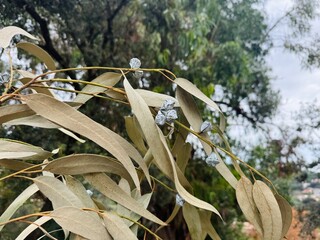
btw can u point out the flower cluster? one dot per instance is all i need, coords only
(135, 63)
(166, 113)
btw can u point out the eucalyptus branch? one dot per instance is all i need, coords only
(225, 151)
(22, 171)
(80, 92)
(82, 82)
(39, 214)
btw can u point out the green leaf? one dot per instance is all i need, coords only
(17, 203)
(7, 33)
(269, 210)
(286, 213)
(57, 192)
(39, 53)
(110, 189)
(117, 227)
(86, 163)
(80, 222)
(246, 203)
(66, 116)
(11, 149)
(192, 218)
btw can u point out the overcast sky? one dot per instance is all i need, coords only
(296, 84)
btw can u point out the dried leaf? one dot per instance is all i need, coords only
(110, 189)
(17, 203)
(10, 112)
(86, 163)
(69, 118)
(39, 53)
(16, 165)
(79, 190)
(192, 89)
(26, 232)
(106, 79)
(269, 211)
(135, 133)
(192, 218)
(154, 99)
(183, 156)
(206, 225)
(286, 213)
(117, 227)
(246, 203)
(80, 222)
(192, 114)
(7, 33)
(57, 192)
(159, 148)
(11, 149)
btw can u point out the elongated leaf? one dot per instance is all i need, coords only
(246, 203)
(10, 149)
(86, 163)
(154, 99)
(73, 120)
(39, 53)
(106, 79)
(286, 213)
(80, 222)
(26, 232)
(206, 225)
(192, 89)
(7, 33)
(79, 190)
(134, 132)
(191, 112)
(192, 218)
(159, 148)
(117, 227)
(269, 211)
(15, 164)
(183, 156)
(17, 203)
(11, 112)
(33, 121)
(57, 192)
(110, 189)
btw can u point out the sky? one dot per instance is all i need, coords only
(296, 84)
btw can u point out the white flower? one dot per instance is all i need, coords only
(212, 160)
(168, 104)
(160, 119)
(135, 63)
(179, 200)
(166, 113)
(171, 115)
